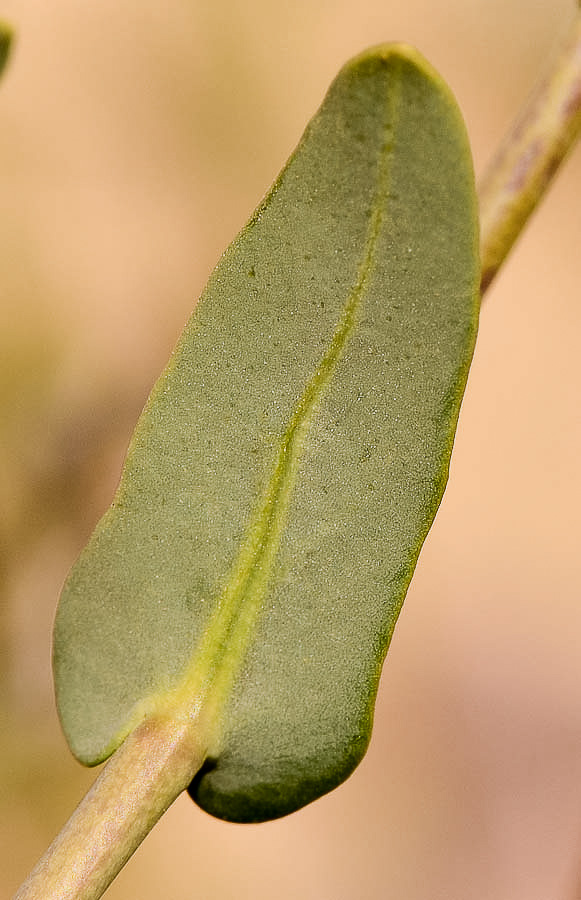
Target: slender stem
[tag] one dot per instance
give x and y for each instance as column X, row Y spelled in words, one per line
column 142, row 779
column 530, row 155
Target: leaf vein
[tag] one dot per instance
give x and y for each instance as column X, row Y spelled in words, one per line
column 222, row 648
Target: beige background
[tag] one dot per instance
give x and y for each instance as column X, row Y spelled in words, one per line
column 136, row 139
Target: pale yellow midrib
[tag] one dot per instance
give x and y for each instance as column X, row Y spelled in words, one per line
column 220, row 652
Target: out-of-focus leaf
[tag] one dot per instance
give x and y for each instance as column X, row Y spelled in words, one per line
column 291, row 458
column 5, row 44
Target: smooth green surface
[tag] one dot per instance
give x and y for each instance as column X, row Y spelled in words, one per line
column 291, row 458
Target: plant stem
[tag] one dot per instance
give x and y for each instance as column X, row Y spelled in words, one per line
column 530, row 155
column 142, row 779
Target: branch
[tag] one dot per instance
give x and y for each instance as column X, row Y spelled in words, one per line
column 142, row 779
column 530, row 155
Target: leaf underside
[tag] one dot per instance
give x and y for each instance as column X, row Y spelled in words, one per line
column 290, row 459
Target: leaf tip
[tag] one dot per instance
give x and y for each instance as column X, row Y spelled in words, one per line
column 387, row 53
column 395, row 54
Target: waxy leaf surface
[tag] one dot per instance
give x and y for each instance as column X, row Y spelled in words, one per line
column 290, row 459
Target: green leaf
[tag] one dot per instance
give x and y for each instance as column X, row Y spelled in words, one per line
column 290, row 459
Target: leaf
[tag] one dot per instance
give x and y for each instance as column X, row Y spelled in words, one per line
column 290, row 459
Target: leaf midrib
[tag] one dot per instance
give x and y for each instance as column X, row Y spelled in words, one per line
column 220, row 652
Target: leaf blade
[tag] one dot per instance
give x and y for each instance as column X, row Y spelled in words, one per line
column 276, row 447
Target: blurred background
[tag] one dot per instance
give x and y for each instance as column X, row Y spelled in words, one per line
column 137, row 137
